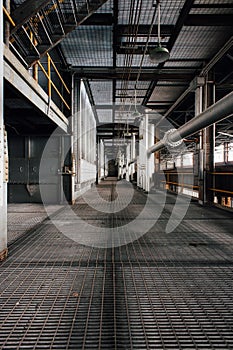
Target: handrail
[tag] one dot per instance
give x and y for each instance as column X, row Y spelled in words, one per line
column 179, row 184
column 59, row 75
column 50, row 61
column 10, row 19
column 51, row 83
column 220, row 173
column 217, row 190
column 167, row 172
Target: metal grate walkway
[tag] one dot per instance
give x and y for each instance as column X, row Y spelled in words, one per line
column 162, row 291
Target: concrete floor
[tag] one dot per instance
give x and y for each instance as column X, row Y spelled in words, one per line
column 161, row 291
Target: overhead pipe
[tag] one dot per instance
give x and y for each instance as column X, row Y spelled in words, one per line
column 220, row 110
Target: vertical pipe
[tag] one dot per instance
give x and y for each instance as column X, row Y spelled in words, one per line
column 3, row 184
column 140, row 156
column 133, row 154
column 145, row 144
column 49, row 77
column 127, row 161
column 150, row 157
column 157, row 160
column 72, row 138
column 79, row 134
column 209, row 143
column 200, row 159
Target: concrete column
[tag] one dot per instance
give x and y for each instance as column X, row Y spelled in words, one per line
column 101, row 159
column 127, row 161
column 145, row 157
column 157, row 160
column 79, row 138
column 73, row 127
column 3, row 155
column 105, row 165
column 141, row 159
column 133, row 154
column 150, row 158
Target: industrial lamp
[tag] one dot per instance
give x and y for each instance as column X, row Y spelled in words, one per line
column 136, row 114
column 159, row 54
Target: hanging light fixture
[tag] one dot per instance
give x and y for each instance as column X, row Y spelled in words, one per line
column 159, row 54
column 136, row 114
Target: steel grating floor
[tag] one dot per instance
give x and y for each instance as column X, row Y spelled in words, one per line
column 162, row 291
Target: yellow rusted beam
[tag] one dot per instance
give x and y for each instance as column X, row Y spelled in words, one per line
column 59, row 75
column 8, row 16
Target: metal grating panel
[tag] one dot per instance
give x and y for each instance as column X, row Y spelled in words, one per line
column 212, row 11
column 163, row 291
column 169, row 11
column 106, row 8
column 210, row 2
column 104, row 115
column 101, row 91
column 181, row 64
column 136, row 61
column 143, row 85
column 89, row 46
column 19, row 2
column 168, row 94
column 200, row 42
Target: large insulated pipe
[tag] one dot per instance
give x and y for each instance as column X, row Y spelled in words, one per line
column 220, row 110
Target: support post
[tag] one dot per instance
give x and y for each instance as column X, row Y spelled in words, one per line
column 157, row 160
column 144, row 153
column 3, row 156
column 141, row 158
column 73, row 126
column 200, row 159
column 79, row 135
column 133, row 154
column 128, row 168
column 150, row 158
column 209, row 141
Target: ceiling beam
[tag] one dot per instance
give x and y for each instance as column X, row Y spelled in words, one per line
column 25, row 11
column 91, row 99
column 213, row 6
column 102, row 19
column 209, row 20
column 143, row 30
column 173, row 74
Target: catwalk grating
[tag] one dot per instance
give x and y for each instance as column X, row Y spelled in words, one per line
column 162, row 291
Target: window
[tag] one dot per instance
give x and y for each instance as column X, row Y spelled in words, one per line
column 230, row 152
column 178, row 162
column 188, row 160
column 219, row 154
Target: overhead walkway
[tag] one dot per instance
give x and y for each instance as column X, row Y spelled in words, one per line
column 161, row 291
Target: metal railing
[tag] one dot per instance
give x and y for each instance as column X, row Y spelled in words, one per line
column 51, row 83
column 50, row 63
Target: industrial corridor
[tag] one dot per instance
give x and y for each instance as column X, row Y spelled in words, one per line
column 116, row 174
column 162, row 291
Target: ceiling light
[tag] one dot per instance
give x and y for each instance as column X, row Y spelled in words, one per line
column 159, row 54
column 136, row 114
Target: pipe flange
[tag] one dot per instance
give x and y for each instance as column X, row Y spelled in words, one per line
column 168, row 142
